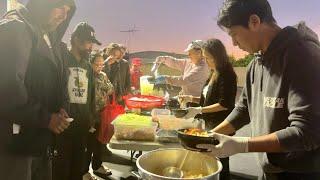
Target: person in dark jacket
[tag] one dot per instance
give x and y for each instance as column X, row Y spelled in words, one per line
column 71, row 144
column 218, row 95
column 118, row 70
column 280, row 99
column 31, row 88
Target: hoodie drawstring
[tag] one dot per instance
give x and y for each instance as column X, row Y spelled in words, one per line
column 261, row 79
column 253, row 70
column 259, row 59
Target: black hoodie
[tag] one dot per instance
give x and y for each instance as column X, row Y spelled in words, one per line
column 32, row 75
column 282, row 96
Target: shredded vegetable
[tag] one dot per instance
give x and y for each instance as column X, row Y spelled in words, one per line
column 133, row 119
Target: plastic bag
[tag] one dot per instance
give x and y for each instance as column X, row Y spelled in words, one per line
column 108, row 114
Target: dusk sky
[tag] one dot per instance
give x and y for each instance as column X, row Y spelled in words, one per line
column 169, row 25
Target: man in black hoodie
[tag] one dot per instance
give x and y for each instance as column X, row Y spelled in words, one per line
column 280, row 99
column 71, row 144
column 31, row 85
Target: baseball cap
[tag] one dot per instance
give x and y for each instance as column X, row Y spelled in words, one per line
column 85, row 32
column 196, row 44
column 136, row 61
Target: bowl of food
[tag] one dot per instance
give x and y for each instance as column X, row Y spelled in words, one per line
column 179, row 113
column 190, row 138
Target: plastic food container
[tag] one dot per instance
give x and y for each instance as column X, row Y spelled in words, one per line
column 167, row 136
column 159, row 113
column 145, row 86
column 144, row 102
column 170, row 122
column 135, row 132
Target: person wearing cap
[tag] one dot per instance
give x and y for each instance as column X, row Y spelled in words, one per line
column 32, row 105
column 135, row 73
column 118, row 70
column 71, row 145
column 194, row 70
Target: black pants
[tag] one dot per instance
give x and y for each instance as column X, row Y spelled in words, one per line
column 69, row 162
column 41, row 168
column 14, row 167
column 93, row 154
column 225, row 173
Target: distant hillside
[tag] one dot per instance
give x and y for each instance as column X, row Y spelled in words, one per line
column 150, row 56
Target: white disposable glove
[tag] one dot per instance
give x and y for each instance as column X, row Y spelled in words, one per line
column 92, row 130
column 185, row 98
column 192, row 112
column 227, row 146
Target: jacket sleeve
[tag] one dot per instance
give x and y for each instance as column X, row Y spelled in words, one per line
column 194, row 75
column 128, row 79
column 171, row 62
column 63, row 49
column 227, row 90
column 303, row 63
column 16, row 105
column 239, row 116
column 108, row 87
column 92, row 106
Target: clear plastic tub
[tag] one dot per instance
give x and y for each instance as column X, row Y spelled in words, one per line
column 167, row 136
column 135, row 132
column 170, row 122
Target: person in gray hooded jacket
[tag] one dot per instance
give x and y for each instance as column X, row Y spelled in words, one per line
column 31, row 85
column 280, row 99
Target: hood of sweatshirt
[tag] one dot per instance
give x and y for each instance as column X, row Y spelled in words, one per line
column 287, row 37
column 36, row 14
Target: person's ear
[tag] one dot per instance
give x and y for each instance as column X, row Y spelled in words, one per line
column 77, row 41
column 254, row 22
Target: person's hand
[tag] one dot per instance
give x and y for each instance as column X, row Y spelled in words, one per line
column 160, row 80
column 63, row 113
column 160, row 59
column 192, row 112
column 110, row 59
column 227, row 146
column 58, row 122
column 185, row 98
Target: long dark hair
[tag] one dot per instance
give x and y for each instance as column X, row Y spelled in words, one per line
column 220, row 57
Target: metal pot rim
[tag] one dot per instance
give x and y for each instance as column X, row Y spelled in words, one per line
column 158, row 176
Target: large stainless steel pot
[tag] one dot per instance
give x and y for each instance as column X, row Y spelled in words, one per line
column 152, row 164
